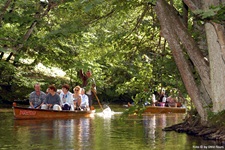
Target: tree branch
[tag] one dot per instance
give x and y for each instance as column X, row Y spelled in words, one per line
column 191, row 5
column 102, row 17
column 26, row 36
column 7, row 3
column 139, row 20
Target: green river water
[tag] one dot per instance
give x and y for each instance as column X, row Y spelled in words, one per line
column 98, row 133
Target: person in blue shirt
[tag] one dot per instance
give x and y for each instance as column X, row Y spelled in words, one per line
column 37, row 97
column 84, row 100
column 52, row 99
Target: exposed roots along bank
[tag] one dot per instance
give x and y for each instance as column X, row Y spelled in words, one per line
column 192, row 126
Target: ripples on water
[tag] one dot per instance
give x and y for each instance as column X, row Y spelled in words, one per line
column 96, row 133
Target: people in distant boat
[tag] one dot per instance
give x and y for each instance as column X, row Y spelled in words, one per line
column 66, row 98
column 89, row 84
column 162, row 97
column 171, row 102
column 37, row 97
column 52, row 99
column 165, row 101
column 77, row 97
column 84, row 100
column 153, row 99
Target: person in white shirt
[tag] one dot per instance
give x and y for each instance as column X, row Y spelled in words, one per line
column 84, row 100
column 66, row 98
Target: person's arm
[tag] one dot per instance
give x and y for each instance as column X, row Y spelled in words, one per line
column 58, row 100
column 31, row 99
column 47, row 102
column 70, row 98
column 31, row 105
column 61, row 99
column 81, row 74
column 87, row 103
column 84, row 78
column 43, row 98
column 79, row 101
column 93, row 88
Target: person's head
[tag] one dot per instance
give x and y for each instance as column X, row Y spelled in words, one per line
column 52, row 89
column 65, row 88
column 82, row 90
column 37, row 87
column 163, row 91
column 88, row 73
column 93, row 85
column 76, row 89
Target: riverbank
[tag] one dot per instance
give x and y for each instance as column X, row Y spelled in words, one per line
column 193, row 127
column 4, row 110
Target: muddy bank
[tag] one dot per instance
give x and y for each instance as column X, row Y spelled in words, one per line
column 193, row 127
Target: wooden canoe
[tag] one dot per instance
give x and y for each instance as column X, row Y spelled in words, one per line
column 158, row 109
column 31, row 113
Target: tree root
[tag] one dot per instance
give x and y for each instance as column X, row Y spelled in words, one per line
column 193, row 127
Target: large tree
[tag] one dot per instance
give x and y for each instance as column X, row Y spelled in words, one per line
column 208, row 89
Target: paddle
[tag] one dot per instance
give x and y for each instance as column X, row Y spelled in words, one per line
column 98, row 100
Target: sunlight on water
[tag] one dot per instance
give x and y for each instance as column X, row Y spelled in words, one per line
column 100, row 132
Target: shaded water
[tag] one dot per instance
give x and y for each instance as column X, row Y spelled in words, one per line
column 96, row 133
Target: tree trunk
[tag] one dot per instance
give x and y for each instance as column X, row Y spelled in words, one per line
column 216, row 47
column 215, row 41
column 185, row 15
column 221, row 37
column 191, row 48
column 217, row 68
column 169, row 31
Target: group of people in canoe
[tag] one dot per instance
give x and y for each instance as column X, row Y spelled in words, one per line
column 63, row 99
column 161, row 99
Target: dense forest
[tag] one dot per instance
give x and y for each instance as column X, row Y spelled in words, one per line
column 132, row 47
column 119, row 41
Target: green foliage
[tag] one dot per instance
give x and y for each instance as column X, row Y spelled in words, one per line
column 142, row 98
column 215, row 13
column 117, row 40
column 216, row 119
column 136, row 110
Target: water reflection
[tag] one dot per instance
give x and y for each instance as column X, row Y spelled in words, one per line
column 153, row 125
column 97, row 133
column 64, row 133
column 149, row 127
column 84, row 132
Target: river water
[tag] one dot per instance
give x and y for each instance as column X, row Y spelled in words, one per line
column 98, row 133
